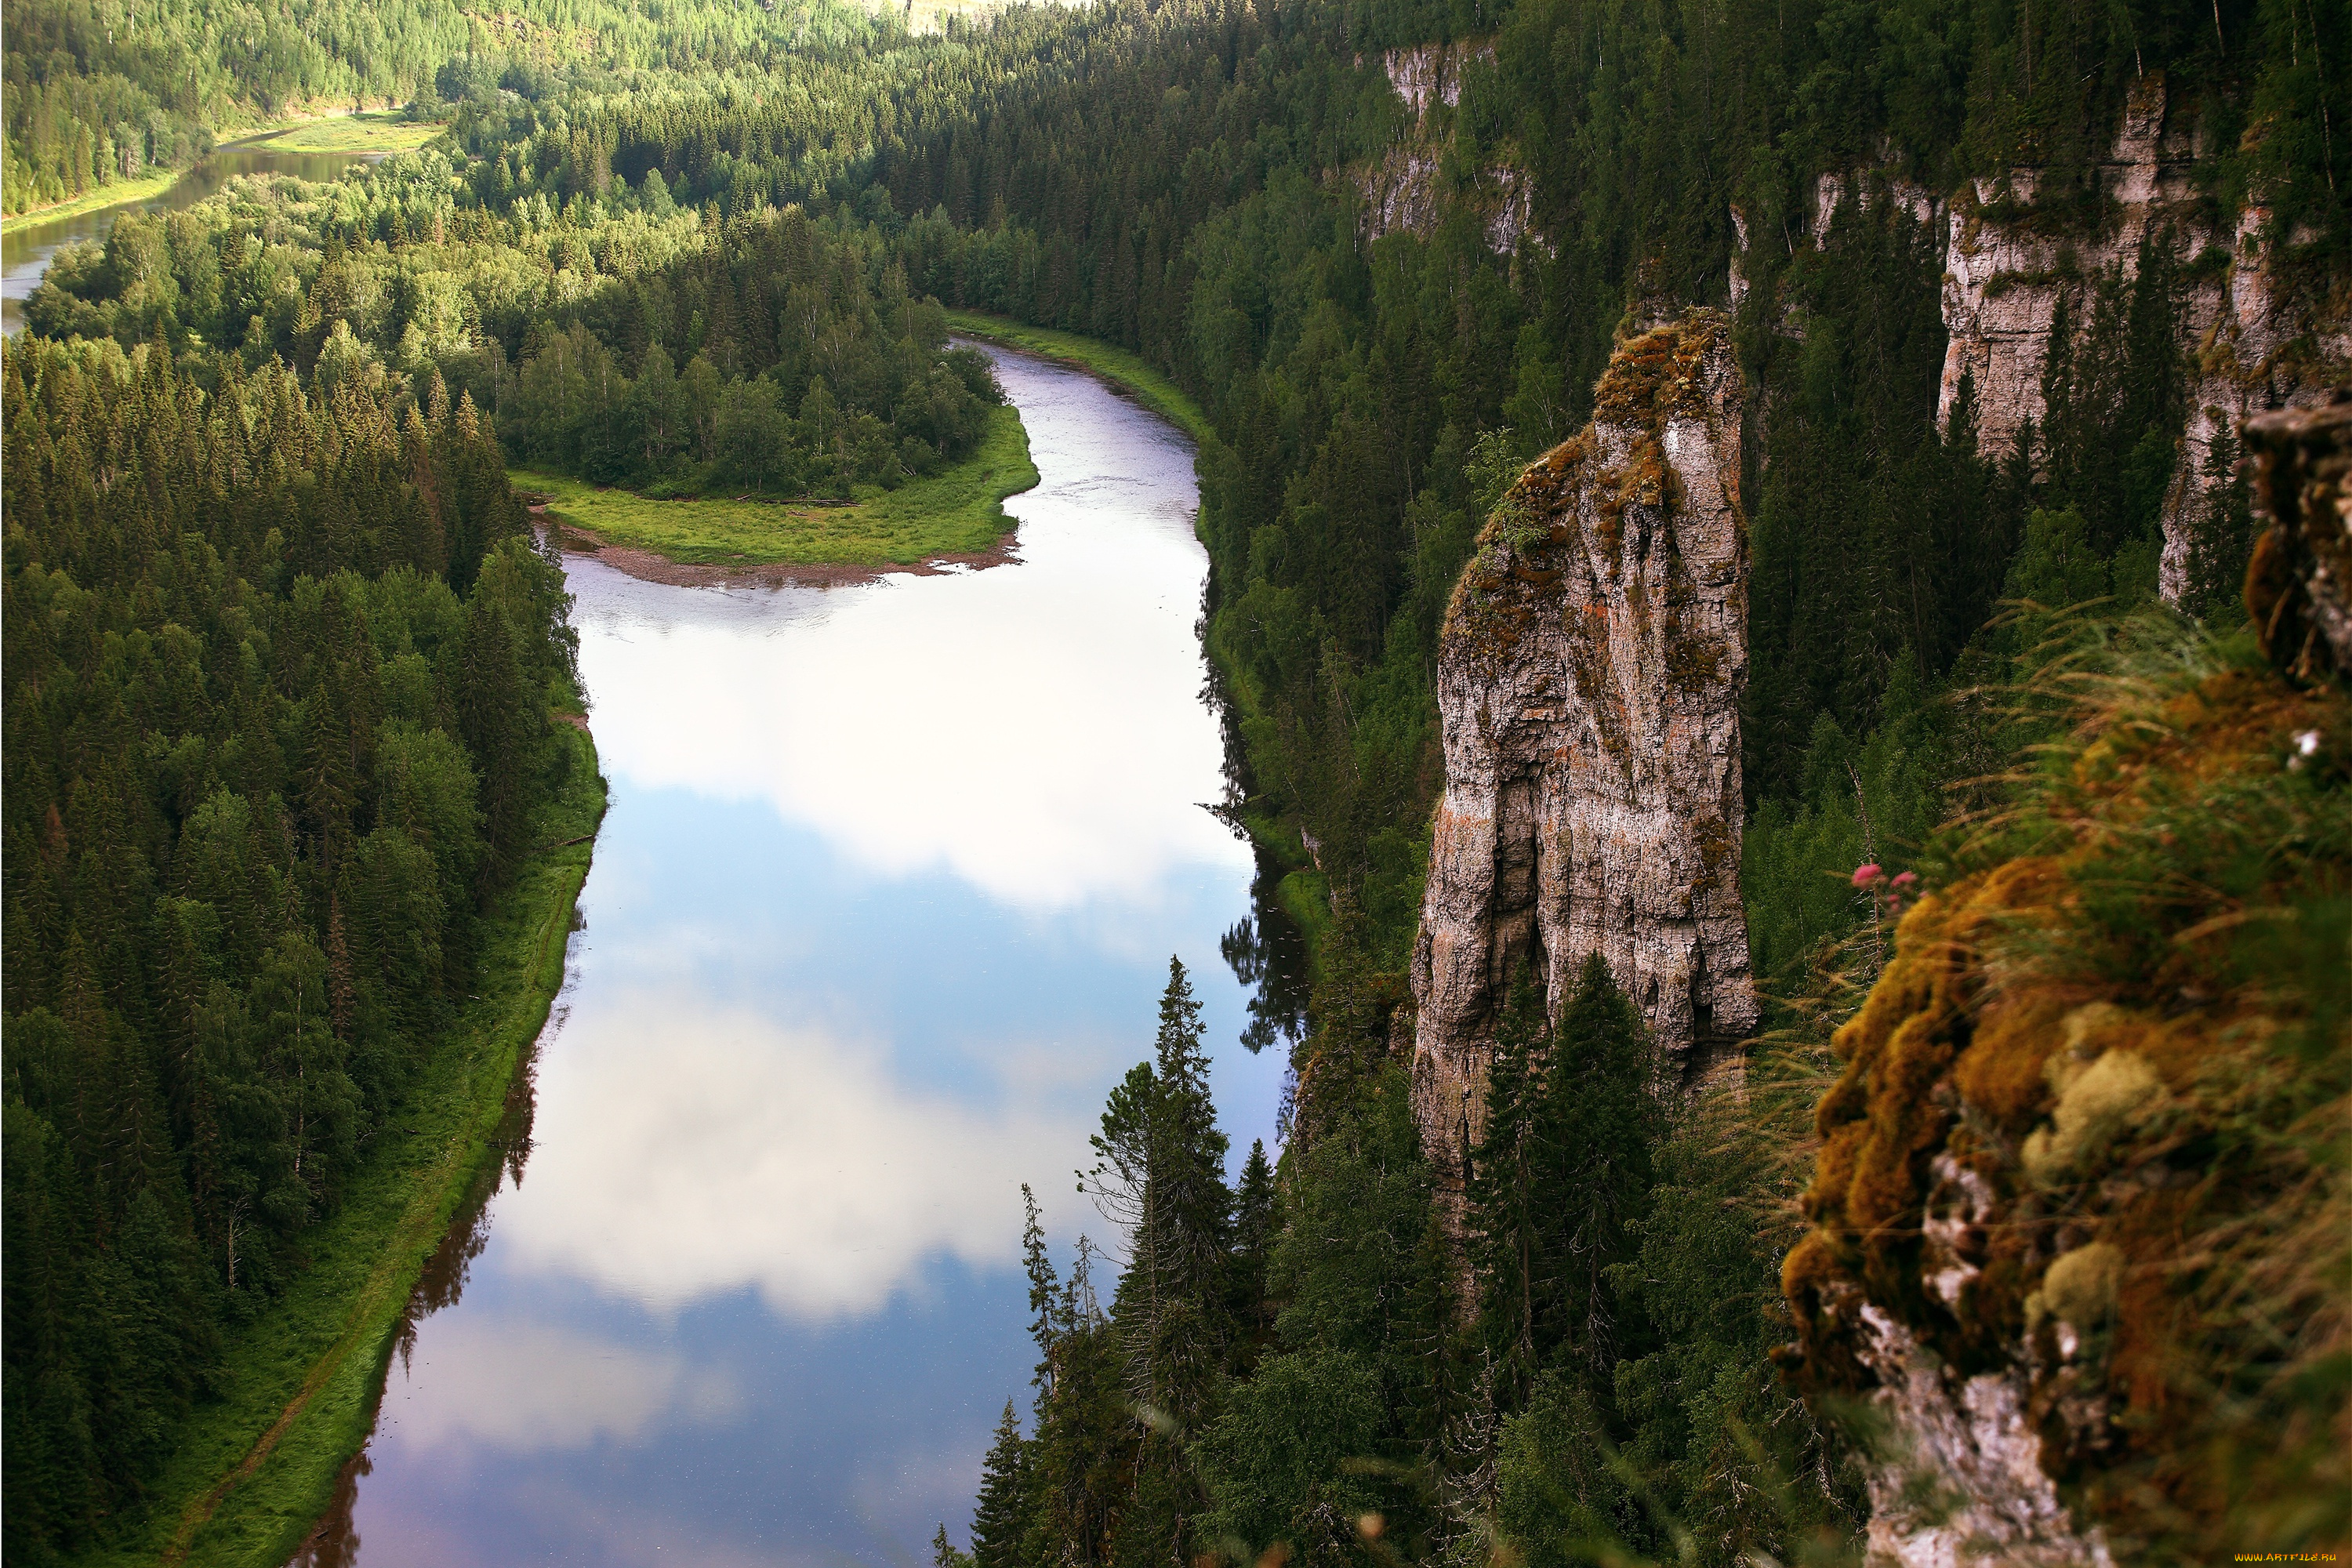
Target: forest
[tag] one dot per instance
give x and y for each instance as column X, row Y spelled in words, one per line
column 282, row 652
column 769, row 352
column 280, row 665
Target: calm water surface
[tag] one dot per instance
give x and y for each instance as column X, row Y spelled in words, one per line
column 26, row 251
column 883, row 908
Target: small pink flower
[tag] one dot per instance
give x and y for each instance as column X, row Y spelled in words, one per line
column 1906, row 880
column 1864, row 876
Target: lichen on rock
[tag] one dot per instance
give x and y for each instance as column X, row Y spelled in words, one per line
column 2081, row 1220
column 1589, row 682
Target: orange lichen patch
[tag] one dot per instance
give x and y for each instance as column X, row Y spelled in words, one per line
column 1662, row 373
column 2100, row 1052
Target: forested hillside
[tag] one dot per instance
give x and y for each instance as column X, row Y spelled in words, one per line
column 100, row 92
column 679, row 265
column 280, row 660
column 624, row 341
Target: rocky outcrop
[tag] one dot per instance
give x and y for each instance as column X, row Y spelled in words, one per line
column 2070, row 1237
column 2005, row 268
column 1402, row 190
column 2253, row 344
column 1588, row 684
column 2299, row 588
column 2256, row 345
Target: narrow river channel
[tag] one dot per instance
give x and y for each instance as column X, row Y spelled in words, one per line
column 882, row 909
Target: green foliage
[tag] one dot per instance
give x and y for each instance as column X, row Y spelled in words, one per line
column 97, row 98
column 959, row 508
column 2221, row 539
column 265, row 771
column 703, row 252
column 1278, row 1459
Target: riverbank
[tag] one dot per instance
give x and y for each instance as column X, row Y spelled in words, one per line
column 120, row 193
column 1304, row 892
column 1130, row 373
column 250, row 1475
column 372, row 130
column 355, row 133
column 957, row 514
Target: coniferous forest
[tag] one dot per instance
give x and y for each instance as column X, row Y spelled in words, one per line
column 287, row 669
column 280, row 675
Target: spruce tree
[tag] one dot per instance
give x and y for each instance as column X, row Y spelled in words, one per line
column 1162, row 1169
column 2221, row 538
column 1001, row 1520
column 1256, row 1222
column 1509, row 1194
column 1603, row 1118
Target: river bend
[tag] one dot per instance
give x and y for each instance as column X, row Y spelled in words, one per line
column 882, row 907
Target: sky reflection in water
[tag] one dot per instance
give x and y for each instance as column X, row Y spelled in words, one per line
column 882, row 909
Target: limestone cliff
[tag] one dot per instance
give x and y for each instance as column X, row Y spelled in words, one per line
column 2253, row 340
column 1403, row 190
column 1589, row 683
column 2080, row 1222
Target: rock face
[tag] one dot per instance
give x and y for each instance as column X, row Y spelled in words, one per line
column 2253, row 343
column 1978, row 1442
column 1588, row 684
column 2299, row 588
column 1402, row 191
column 2025, row 1218
column 2002, row 281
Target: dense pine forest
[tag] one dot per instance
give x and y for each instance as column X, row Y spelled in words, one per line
column 280, row 665
column 282, row 652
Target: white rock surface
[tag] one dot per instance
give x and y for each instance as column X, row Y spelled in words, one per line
column 1588, row 684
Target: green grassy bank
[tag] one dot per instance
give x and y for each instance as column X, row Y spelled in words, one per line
column 956, row 512
column 145, row 189
column 251, row 1474
column 1116, row 365
column 372, row 130
column 375, row 131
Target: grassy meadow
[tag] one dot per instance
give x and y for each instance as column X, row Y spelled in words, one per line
column 374, row 131
column 956, row 512
column 146, row 188
column 251, row 1475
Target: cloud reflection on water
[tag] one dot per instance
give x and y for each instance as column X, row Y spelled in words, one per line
column 524, row 1387
column 1037, row 729
column 881, row 911
column 732, row 1151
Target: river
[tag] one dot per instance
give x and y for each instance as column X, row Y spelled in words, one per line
column 882, row 909
column 27, row 249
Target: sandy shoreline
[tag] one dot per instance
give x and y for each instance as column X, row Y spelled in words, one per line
column 651, row 566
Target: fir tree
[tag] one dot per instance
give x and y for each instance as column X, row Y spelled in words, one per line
column 1509, row 1192
column 2221, row 538
column 1000, row 1521
column 1256, row 1225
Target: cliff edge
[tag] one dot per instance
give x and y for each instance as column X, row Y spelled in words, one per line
column 2080, row 1217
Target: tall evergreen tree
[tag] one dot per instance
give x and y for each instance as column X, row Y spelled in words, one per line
column 1000, row 1518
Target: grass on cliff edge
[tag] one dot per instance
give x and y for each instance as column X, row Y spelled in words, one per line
column 331, row 1334
column 956, row 510
column 1116, row 365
